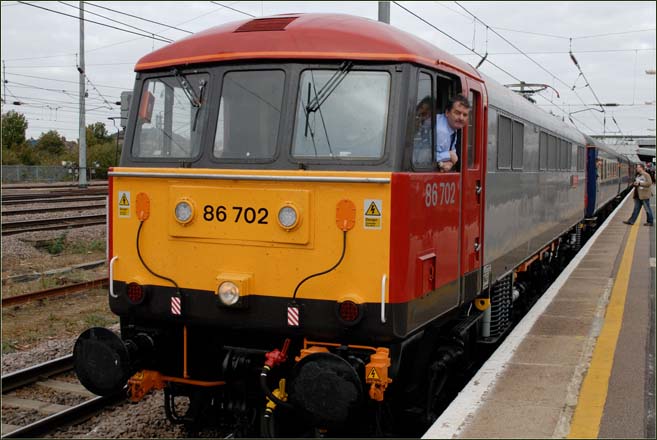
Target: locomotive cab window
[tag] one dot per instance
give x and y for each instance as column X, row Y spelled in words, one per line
column 425, row 114
column 172, row 116
column 341, row 114
column 430, row 131
column 249, row 115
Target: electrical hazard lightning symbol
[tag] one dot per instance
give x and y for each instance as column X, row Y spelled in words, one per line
column 373, row 210
column 124, row 200
column 373, row 374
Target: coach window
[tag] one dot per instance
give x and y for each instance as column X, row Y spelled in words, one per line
column 423, row 127
column 342, row 114
column 543, row 151
column 475, row 104
column 563, row 154
column 249, row 115
column 504, row 142
column 518, row 145
column 552, row 152
column 172, row 117
column 581, row 158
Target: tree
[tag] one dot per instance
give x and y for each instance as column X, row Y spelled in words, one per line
column 14, row 126
column 97, row 134
column 51, row 142
column 104, row 155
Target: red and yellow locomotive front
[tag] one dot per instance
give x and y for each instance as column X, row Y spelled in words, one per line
column 256, row 234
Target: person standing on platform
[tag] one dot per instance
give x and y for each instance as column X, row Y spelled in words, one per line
column 642, row 192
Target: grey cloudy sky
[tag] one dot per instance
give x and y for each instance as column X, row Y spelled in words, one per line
column 614, row 43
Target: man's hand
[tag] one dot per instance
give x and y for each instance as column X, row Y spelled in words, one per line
column 445, row 166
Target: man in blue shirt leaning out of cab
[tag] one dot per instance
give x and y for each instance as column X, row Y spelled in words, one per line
column 447, row 126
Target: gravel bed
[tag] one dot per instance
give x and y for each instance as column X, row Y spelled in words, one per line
column 18, row 416
column 145, row 419
column 44, row 352
column 19, row 248
column 44, row 394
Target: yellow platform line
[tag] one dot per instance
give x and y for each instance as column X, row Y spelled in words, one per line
column 593, row 395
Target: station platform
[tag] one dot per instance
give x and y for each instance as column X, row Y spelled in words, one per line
column 581, row 364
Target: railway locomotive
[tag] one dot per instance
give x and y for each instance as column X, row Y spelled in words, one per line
column 285, row 262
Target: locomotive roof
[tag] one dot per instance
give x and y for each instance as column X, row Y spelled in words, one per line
column 301, row 36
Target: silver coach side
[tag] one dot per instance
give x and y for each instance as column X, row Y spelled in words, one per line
column 526, row 208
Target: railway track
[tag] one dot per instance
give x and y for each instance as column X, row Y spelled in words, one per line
column 55, row 292
column 28, row 195
column 40, row 412
column 17, row 227
column 69, row 185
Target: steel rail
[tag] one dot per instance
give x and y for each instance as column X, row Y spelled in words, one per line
column 17, row 227
column 71, row 185
column 46, row 194
column 35, row 373
column 82, row 198
column 55, row 292
column 53, row 209
column 77, row 413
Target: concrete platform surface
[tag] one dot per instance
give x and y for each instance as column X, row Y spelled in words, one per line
column 580, row 364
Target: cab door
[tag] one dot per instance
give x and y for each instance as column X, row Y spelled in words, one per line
column 472, row 193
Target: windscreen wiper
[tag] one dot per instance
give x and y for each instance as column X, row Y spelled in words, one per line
column 189, row 90
column 322, row 95
column 201, row 89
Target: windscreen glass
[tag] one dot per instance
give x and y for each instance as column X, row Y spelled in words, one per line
column 341, row 114
column 171, row 117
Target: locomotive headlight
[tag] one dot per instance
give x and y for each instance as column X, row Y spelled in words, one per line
column 229, row 293
column 288, row 217
column 184, row 211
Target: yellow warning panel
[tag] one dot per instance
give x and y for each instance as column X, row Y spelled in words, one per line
column 373, row 374
column 124, row 204
column 372, row 210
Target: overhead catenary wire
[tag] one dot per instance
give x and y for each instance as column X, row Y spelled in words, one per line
column 66, row 92
column 233, row 9
column 588, row 84
column 562, row 52
column 62, row 80
column 465, row 46
column 111, row 19
column 524, row 54
column 453, row 39
column 98, row 23
column 138, row 17
column 109, row 104
column 563, row 37
column 44, row 66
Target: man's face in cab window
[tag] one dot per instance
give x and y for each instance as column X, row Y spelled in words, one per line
column 457, row 116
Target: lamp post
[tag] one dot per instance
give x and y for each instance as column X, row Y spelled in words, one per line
column 118, row 131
